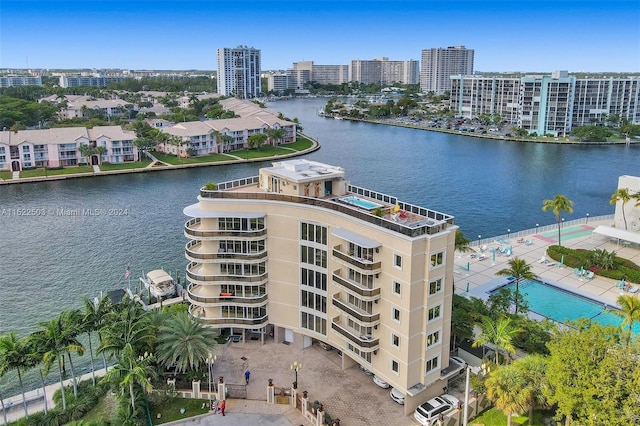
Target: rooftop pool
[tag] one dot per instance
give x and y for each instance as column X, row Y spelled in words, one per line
column 562, row 305
column 360, row 202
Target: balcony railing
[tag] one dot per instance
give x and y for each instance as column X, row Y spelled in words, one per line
column 224, row 278
column 197, row 254
column 365, row 265
column 365, row 342
column 433, row 223
column 191, row 230
column 357, row 313
column 226, row 300
column 228, row 321
column 366, row 293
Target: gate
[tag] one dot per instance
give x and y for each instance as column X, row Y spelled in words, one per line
column 236, row 391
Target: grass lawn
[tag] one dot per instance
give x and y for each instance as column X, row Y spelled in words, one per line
column 172, row 159
column 125, row 166
column 170, row 409
column 55, row 172
column 495, row 417
column 105, row 409
column 5, row 174
column 300, row 144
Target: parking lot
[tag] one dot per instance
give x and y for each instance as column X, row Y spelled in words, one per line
column 349, row 395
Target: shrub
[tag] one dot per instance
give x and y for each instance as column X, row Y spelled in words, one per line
column 619, row 268
column 211, row 186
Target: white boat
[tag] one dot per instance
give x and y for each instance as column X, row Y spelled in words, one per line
column 337, row 117
column 159, row 283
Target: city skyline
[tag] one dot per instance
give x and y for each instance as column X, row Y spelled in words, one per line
column 525, row 36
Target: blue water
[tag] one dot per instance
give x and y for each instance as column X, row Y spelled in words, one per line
column 561, row 305
column 359, row 202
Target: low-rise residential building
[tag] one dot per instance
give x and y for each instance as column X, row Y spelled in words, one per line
column 20, row 80
column 299, row 253
column 85, row 106
column 59, row 147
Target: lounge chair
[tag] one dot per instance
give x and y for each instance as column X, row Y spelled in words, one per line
column 528, row 242
column 520, row 240
column 620, row 284
column 543, row 259
column 588, row 275
column 631, row 289
column 577, row 272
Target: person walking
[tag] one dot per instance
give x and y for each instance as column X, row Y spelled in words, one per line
column 223, row 405
column 247, row 374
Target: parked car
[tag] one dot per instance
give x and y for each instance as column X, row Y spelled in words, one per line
column 378, row 381
column 365, row 371
column 427, row 413
column 326, row 346
column 396, row 396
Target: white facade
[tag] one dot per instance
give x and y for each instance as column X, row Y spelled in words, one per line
column 384, row 71
column 439, row 64
column 239, row 72
column 14, row 80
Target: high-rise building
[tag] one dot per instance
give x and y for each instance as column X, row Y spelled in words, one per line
column 239, row 72
column 384, row 71
column 20, row 80
column 439, row 64
column 300, row 254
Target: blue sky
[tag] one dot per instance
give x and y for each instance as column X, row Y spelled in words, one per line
column 506, row 35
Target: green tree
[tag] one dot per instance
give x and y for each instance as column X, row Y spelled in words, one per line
column 602, row 258
column 506, row 389
column 500, row 334
column 461, row 319
column 573, row 368
column 184, row 341
column 276, row 134
column 126, row 324
column 72, row 328
column 621, row 195
column 591, row 133
column 557, row 205
column 462, row 243
column 256, row 140
column 131, row 371
column 86, row 151
column 629, row 311
column 50, row 340
column 533, row 368
column 520, row 270
column 13, row 356
column 100, row 151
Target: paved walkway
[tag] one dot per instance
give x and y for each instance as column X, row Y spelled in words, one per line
column 96, row 169
column 575, row 237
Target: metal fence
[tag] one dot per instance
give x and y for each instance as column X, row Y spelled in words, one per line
column 539, row 229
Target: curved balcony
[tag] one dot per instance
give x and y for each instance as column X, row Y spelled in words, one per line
column 221, row 300
column 196, row 277
column 193, row 251
column 367, row 294
column 364, row 342
column 196, row 311
column 192, row 229
column 355, row 312
column 366, row 266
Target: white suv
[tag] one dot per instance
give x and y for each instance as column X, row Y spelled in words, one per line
column 427, row 413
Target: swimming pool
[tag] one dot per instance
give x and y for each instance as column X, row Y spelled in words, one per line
column 562, row 305
column 359, row 202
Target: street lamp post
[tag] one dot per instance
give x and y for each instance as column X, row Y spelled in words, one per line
column 211, row 359
column 296, row 366
column 537, row 224
column 508, row 234
column 479, row 236
column 563, row 223
column 587, row 221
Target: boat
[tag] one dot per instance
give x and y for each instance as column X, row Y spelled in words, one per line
column 159, row 283
column 337, row 117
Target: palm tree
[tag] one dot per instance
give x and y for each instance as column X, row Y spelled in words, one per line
column 72, row 323
column 126, row 325
column 629, row 310
column 49, row 340
column 13, row 356
column 276, row 134
column 184, row 341
column 131, row 370
column 86, row 151
column 557, row 205
column 622, row 194
column 34, row 359
column 505, row 387
column 90, row 323
column 533, row 368
column 520, row 270
column 462, row 243
column 500, row 334
column 100, row 151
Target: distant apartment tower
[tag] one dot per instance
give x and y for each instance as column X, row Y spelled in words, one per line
column 21, row 80
column 438, row 64
column 276, row 81
column 239, row 72
column 305, row 72
column 384, row 71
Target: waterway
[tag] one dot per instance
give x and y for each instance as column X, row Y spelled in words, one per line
column 89, row 230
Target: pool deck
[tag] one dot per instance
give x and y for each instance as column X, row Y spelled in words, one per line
column 481, row 275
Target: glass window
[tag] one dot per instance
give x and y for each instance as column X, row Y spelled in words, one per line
column 435, row 286
column 397, row 261
column 396, row 287
column 395, row 340
column 434, row 313
column 431, row 364
column 437, row 259
column 395, row 367
column 396, row 314
column 433, row 338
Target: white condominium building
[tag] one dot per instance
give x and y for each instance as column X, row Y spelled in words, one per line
column 438, row 64
column 20, row 80
column 384, row 71
column 547, row 104
column 298, row 254
column 239, row 72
